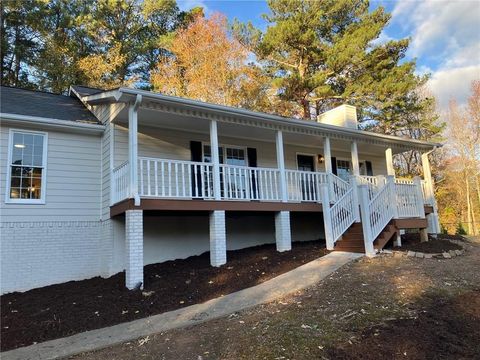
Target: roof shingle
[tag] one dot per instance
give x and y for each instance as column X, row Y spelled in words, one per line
column 42, row 104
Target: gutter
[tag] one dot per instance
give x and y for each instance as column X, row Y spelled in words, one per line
column 116, row 95
column 52, row 123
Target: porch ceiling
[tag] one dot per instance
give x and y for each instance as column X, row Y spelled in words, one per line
column 154, row 118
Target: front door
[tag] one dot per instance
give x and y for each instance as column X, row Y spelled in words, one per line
column 307, row 185
column 305, row 162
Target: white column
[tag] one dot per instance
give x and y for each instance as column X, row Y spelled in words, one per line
column 218, row 238
column 111, row 130
column 215, row 159
column 133, row 148
column 419, row 194
column 434, row 225
column 134, row 249
column 327, row 217
column 327, row 155
column 353, row 180
column 367, row 233
column 355, row 163
column 281, row 166
column 283, row 234
column 389, row 161
column 398, row 239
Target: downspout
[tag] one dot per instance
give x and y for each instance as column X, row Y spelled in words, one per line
column 136, row 105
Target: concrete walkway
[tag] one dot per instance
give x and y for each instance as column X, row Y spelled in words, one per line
column 295, row 280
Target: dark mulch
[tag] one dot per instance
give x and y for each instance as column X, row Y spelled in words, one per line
column 65, row 309
column 411, row 241
column 448, row 328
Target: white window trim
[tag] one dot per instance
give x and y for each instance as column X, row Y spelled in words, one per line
column 315, row 160
column 360, row 161
column 42, row 199
column 224, row 152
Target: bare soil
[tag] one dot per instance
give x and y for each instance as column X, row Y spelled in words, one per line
column 411, row 241
column 65, row 309
column 382, row 308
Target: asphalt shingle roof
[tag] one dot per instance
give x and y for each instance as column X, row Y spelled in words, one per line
column 42, row 104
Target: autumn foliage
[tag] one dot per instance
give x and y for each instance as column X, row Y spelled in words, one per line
column 207, row 64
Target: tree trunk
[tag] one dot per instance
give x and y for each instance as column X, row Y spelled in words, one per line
column 306, row 109
column 469, row 208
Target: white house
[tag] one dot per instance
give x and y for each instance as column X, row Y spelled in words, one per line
column 104, row 181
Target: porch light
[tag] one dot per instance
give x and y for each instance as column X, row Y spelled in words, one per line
column 321, row 159
column 19, row 146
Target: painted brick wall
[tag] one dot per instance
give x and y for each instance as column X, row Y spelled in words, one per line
column 134, row 247
column 35, row 254
column 282, row 231
column 218, row 244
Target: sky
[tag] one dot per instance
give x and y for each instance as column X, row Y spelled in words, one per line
column 445, row 37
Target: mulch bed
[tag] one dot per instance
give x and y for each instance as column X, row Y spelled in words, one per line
column 411, row 242
column 65, row 309
column 446, row 329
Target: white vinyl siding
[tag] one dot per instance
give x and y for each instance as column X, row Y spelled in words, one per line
column 73, row 180
column 175, row 145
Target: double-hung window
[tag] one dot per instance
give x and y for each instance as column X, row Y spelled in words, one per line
column 26, row 167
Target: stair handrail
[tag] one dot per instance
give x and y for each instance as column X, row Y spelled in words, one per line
column 340, row 215
column 376, row 212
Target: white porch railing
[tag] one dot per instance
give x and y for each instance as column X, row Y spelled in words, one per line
column 408, row 196
column 174, row 179
column 248, row 183
column 120, row 182
column 304, row 185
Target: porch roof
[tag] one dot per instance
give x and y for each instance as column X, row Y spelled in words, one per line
column 197, row 109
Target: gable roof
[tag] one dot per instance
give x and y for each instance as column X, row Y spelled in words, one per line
column 44, row 105
column 84, row 90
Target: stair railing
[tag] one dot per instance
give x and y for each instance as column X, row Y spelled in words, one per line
column 344, row 211
column 377, row 212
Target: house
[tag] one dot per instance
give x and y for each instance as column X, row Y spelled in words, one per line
column 99, row 182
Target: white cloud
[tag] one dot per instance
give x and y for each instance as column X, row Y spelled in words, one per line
column 446, row 36
column 453, row 84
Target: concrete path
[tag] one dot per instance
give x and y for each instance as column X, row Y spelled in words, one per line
column 295, row 280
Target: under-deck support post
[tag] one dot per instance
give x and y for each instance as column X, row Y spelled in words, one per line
column 134, row 249
column 355, row 162
column 283, row 235
column 218, row 238
column 389, row 161
column 281, row 166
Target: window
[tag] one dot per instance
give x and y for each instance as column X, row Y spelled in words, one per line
column 343, row 169
column 26, row 167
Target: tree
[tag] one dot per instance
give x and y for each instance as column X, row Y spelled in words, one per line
column 207, row 64
column 463, row 163
column 322, row 53
column 19, row 40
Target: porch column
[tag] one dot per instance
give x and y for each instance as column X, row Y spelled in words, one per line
column 433, row 224
column 218, row 238
column 355, row 163
column 389, row 161
column 215, row 159
column 283, row 235
column 134, row 249
column 281, row 166
column 133, row 148
column 327, row 155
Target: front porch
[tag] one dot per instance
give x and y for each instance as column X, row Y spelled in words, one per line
column 171, row 159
